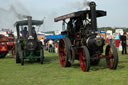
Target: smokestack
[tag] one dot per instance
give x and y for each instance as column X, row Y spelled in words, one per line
column 29, row 25
column 93, row 15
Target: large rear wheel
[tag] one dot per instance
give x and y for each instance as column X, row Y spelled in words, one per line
column 21, row 55
column 17, row 54
column 41, row 56
column 111, row 57
column 84, row 58
column 17, row 58
column 64, row 52
column 22, row 61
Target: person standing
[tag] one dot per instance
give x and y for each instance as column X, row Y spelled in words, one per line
column 42, row 40
column 123, row 43
column 50, row 46
column 117, row 40
column 110, row 39
column 56, row 47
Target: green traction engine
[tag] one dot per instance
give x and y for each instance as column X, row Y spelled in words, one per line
column 27, row 45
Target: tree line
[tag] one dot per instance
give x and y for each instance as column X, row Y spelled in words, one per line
column 113, row 29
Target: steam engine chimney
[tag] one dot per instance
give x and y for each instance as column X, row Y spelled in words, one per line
column 29, row 25
column 93, row 15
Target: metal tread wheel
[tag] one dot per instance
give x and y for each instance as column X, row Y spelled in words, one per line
column 111, row 56
column 64, row 52
column 41, row 56
column 84, row 58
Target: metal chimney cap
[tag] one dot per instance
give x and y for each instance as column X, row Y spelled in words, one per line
column 92, row 4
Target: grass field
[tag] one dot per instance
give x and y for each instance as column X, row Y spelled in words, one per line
column 51, row 73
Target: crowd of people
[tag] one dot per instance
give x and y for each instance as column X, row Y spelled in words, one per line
column 50, row 45
column 120, row 41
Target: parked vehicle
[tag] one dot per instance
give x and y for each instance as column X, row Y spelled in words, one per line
column 6, row 44
column 83, row 42
column 28, row 46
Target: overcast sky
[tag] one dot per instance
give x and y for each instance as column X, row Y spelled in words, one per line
column 117, row 11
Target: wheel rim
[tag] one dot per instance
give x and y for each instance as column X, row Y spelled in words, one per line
column 83, row 60
column 62, row 53
column 110, row 58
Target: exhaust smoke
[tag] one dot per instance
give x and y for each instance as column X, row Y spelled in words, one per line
column 10, row 12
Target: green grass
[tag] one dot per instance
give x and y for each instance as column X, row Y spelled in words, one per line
column 51, row 73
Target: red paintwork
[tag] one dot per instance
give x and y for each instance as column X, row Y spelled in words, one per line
column 7, row 44
column 3, row 48
column 82, row 58
column 110, row 59
column 62, row 53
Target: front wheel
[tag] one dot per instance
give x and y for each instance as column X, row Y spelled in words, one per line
column 111, row 57
column 84, row 58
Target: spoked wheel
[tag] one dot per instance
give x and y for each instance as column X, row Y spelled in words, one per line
column 21, row 55
column 84, row 58
column 21, row 58
column 64, row 53
column 111, row 57
column 22, row 61
column 17, row 54
column 17, row 58
column 41, row 56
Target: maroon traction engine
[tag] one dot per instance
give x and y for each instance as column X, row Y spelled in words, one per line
column 6, row 44
column 83, row 42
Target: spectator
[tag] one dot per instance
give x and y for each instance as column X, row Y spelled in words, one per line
column 42, row 40
column 110, row 39
column 107, row 39
column 124, row 44
column 56, row 48
column 50, row 46
column 117, row 40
